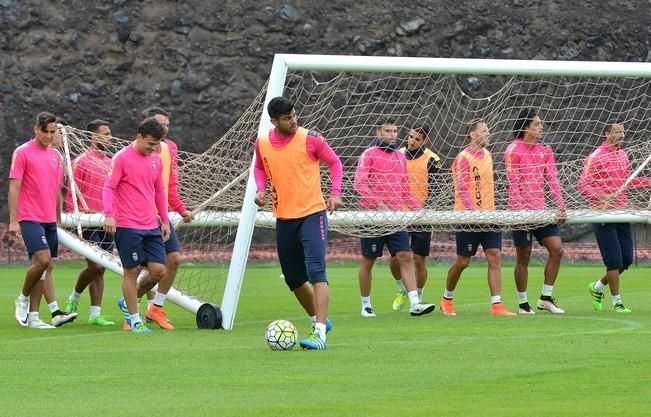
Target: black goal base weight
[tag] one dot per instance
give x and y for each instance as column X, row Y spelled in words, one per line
column 209, row 316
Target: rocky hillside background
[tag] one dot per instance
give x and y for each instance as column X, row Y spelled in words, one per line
column 206, row 60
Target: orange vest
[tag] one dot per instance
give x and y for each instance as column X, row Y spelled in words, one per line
column 481, row 187
column 166, row 158
column 295, row 178
column 419, row 175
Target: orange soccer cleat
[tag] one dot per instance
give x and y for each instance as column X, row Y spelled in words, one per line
column 498, row 309
column 157, row 315
column 447, row 307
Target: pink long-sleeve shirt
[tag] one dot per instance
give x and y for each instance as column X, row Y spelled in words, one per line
column 90, row 171
column 604, row 172
column 317, row 149
column 135, row 190
column 528, row 168
column 382, row 178
column 173, row 199
column 40, row 171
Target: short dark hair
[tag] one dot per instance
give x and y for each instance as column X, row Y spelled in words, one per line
column 279, row 106
column 62, row 121
column 423, row 130
column 385, row 121
column 96, row 124
column 525, row 118
column 153, row 111
column 151, row 127
column 473, row 125
column 43, row 119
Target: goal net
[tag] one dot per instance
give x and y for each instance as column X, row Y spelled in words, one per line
column 344, row 97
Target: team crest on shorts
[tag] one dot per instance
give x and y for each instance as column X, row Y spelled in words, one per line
column 373, row 247
column 43, row 239
column 134, row 256
column 469, row 249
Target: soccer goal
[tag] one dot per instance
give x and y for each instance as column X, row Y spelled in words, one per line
column 343, row 97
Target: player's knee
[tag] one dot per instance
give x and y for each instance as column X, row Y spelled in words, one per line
column 157, row 272
column 462, row 262
column 96, row 269
column 174, row 260
column 42, row 261
column 557, row 252
column 404, row 257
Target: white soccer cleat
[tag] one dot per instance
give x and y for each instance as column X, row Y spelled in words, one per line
column 61, row 319
column 525, row 308
column 22, row 308
column 549, row 305
column 421, row 309
column 368, row 312
column 37, row 323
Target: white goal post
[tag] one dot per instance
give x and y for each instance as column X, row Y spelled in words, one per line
column 283, row 63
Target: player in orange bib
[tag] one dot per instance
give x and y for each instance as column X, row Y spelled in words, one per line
column 474, row 190
column 288, row 156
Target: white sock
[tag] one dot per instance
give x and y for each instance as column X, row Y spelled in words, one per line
column 32, row 315
column 320, row 328
column 366, row 301
column 448, row 294
column 75, row 296
column 413, row 298
column 134, row 319
column 522, row 297
column 496, row 299
column 401, row 286
column 53, row 306
column 599, row 286
column 159, row 299
column 313, row 318
column 22, row 297
column 547, row 289
column 94, row 312
column 617, row 299
column 420, row 294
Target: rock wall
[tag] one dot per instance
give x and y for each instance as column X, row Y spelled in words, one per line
column 206, row 60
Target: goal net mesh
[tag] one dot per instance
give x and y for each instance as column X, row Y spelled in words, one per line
column 345, row 108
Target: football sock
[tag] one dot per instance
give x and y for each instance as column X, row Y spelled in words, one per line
column 75, row 296
column 366, row 301
column 599, row 286
column 413, row 298
column 496, row 299
column 94, row 312
column 159, row 299
column 522, row 297
column 448, row 294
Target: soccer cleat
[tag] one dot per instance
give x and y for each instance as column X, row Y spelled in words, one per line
column 421, row 309
column 157, row 315
column 619, row 308
column 122, row 305
column 313, row 342
column 102, row 321
column 399, row 302
column 22, row 308
column 140, row 328
column 547, row 302
column 37, row 323
column 498, row 309
column 71, row 306
column 63, row 318
column 525, row 308
column 368, row 312
column 447, row 307
column 597, row 296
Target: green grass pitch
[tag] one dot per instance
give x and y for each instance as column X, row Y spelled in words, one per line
column 585, row 363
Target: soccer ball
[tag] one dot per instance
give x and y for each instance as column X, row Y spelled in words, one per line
column 281, row 335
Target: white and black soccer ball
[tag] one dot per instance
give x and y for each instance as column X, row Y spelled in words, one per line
column 281, row 335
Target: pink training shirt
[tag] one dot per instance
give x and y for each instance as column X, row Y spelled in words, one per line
column 382, row 178
column 528, row 168
column 90, row 171
column 40, row 171
column 134, row 193
column 604, row 172
column 316, row 148
column 174, row 201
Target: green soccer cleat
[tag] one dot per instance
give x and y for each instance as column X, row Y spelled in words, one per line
column 71, row 306
column 399, row 302
column 619, row 308
column 140, row 328
column 597, row 296
column 100, row 321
